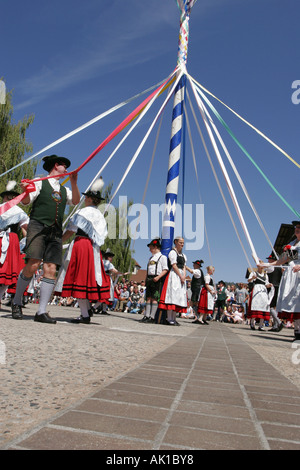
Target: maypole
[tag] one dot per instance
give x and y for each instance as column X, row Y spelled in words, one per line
column 168, row 225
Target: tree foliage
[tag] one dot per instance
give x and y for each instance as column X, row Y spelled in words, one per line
column 13, row 145
column 118, row 240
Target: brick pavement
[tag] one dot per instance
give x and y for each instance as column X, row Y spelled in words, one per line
column 209, row 390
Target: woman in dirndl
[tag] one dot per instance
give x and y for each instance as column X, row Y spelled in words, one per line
column 173, row 298
column 207, row 297
column 82, row 275
column 288, row 300
column 260, row 298
column 11, row 222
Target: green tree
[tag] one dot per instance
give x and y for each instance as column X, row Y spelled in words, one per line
column 118, row 240
column 13, row 145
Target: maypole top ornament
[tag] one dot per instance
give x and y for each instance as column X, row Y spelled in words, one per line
column 185, row 7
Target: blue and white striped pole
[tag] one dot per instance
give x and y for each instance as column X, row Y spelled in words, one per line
column 168, row 225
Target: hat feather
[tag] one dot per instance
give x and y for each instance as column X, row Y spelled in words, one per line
column 11, row 185
column 97, row 185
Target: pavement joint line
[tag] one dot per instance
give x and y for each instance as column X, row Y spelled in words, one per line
column 98, row 433
column 97, row 413
column 129, row 330
column 284, row 425
column 262, row 437
column 165, row 425
column 278, row 439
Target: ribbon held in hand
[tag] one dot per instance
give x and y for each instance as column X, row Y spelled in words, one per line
column 16, row 200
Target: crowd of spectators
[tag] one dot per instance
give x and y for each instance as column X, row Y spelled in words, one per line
column 231, row 303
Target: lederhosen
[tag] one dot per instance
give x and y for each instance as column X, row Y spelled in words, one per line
column 196, row 285
column 275, row 278
column 153, row 289
column 45, row 226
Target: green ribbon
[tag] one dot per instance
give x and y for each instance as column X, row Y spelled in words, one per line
column 245, row 151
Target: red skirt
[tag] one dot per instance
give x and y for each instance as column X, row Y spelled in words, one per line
column 257, row 313
column 80, row 281
column 163, row 306
column 12, row 287
column 10, row 269
column 202, row 305
column 290, row 316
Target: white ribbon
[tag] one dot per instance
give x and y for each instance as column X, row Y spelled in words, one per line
column 5, row 244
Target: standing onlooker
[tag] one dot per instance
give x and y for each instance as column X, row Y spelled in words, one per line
column 241, row 295
column 221, row 300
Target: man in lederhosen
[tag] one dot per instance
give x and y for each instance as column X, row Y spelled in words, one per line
column 44, row 236
column 157, row 268
column 197, row 282
column 275, row 276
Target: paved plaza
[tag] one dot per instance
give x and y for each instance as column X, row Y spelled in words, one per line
column 119, row 384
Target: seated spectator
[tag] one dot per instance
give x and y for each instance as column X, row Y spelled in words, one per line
column 238, row 315
column 134, row 301
column 123, row 299
column 227, row 316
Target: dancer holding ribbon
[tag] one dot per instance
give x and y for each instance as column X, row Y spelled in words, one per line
column 82, row 275
column 288, row 301
column 11, row 222
column 44, row 236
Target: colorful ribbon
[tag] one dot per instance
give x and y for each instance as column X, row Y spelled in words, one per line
column 118, row 129
column 295, row 212
column 13, row 202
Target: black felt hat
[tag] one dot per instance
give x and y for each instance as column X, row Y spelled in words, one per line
column 155, row 242
column 296, row 222
column 199, row 262
column 50, row 160
column 10, row 190
column 108, row 252
column 95, row 190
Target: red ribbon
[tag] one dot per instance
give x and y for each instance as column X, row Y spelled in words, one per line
column 31, row 187
column 16, row 200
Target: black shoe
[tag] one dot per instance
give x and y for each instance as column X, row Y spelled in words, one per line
column 16, row 312
column 44, row 318
column 81, row 319
column 104, row 312
column 144, row 319
column 252, row 327
column 150, row 320
column 171, row 323
column 98, row 310
column 280, row 327
column 91, row 311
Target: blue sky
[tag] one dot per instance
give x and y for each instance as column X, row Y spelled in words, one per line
column 69, row 61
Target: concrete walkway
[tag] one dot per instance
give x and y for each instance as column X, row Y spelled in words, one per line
column 202, row 387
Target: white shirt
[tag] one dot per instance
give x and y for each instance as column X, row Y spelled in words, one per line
column 173, row 257
column 160, row 260
column 55, row 184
